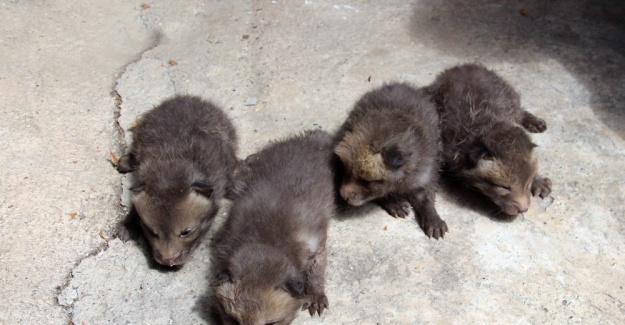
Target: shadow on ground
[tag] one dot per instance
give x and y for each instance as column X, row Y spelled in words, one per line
column 586, row 37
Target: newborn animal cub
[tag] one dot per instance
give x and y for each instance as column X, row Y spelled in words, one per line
column 270, row 256
column 390, row 150
column 484, row 145
column 183, row 156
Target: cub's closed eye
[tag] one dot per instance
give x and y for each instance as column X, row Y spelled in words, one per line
column 185, row 233
column 367, row 182
column 499, row 186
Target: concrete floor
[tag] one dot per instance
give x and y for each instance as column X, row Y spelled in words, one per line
column 74, row 76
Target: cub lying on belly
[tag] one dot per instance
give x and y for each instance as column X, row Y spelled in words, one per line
column 484, row 142
column 389, row 148
column 183, row 159
column 269, row 258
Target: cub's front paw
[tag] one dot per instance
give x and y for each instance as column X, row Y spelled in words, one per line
column 317, row 304
column 533, row 124
column 435, row 227
column 541, row 187
column 129, row 228
column 398, row 208
column 124, row 233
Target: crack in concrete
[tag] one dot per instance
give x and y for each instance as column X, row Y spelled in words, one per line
column 143, row 15
column 156, row 38
column 120, row 143
column 119, row 135
column 59, row 289
column 618, row 301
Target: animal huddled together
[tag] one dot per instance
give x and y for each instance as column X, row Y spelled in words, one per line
column 269, row 257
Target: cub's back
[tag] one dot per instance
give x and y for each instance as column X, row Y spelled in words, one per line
column 183, row 126
column 289, row 189
column 471, row 94
column 400, row 97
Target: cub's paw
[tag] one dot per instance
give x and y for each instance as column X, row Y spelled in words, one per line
column 129, row 229
column 533, row 124
column 127, row 163
column 435, row 228
column 317, row 304
column 398, row 208
column 124, row 233
column 431, row 222
column 541, row 187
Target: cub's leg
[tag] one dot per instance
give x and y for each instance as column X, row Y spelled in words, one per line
column 532, row 123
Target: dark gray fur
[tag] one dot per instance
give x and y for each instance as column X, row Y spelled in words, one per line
column 390, row 150
column 183, row 146
column 274, row 238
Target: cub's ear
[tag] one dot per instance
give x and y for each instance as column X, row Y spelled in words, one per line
column 138, row 188
column 295, row 287
column 393, row 158
column 127, row 163
column 476, row 153
column 236, row 185
column 202, row 187
column 221, row 278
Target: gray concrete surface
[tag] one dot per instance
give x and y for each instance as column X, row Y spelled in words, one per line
column 75, row 75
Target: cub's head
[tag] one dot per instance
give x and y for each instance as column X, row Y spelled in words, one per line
column 503, row 167
column 175, row 210
column 382, row 153
column 260, row 286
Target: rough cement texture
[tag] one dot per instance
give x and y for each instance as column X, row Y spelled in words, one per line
column 75, row 75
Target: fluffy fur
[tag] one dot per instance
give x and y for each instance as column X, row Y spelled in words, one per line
column 484, row 144
column 269, row 257
column 183, row 156
column 390, row 147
